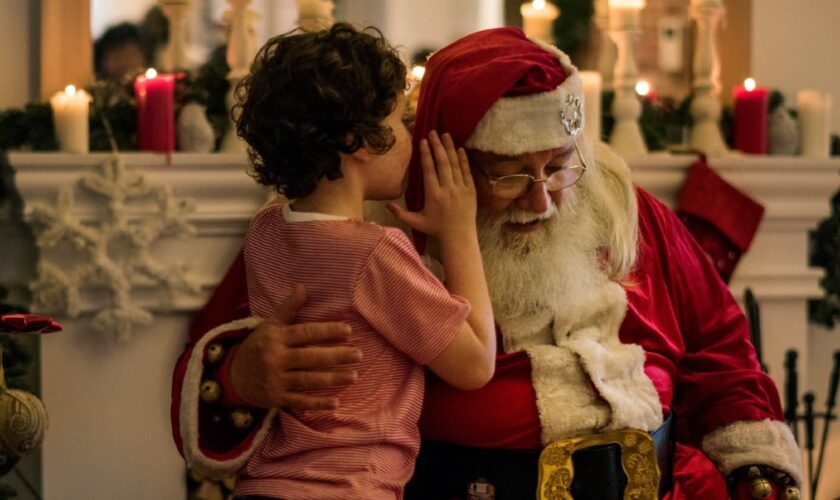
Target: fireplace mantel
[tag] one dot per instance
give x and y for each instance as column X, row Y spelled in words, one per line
column 108, row 399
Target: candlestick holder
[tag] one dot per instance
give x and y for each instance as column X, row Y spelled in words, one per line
column 240, row 51
column 175, row 56
column 606, row 53
column 808, row 417
column 626, row 137
column 705, row 104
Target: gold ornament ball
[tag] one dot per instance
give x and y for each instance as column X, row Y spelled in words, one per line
column 215, row 352
column 23, row 420
column 792, row 493
column 760, row 488
column 210, row 391
column 241, row 418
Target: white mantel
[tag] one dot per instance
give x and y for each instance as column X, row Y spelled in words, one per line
column 109, row 401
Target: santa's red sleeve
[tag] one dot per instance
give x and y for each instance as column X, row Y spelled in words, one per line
column 204, row 431
column 725, row 404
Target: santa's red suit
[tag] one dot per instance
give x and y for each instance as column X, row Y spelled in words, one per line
column 670, row 338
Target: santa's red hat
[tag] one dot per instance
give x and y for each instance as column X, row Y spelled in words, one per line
column 497, row 91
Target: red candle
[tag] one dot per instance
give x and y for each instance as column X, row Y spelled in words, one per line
column 155, row 96
column 750, row 120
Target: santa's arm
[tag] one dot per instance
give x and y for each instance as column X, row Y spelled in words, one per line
column 231, row 380
column 731, row 406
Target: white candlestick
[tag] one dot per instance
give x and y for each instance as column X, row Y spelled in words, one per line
column 591, row 104
column 70, row 118
column 626, row 136
column 814, row 109
column 537, row 18
column 315, row 15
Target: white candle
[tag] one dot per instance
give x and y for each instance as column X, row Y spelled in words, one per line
column 591, row 104
column 624, row 14
column 70, row 118
column 814, row 110
column 537, row 18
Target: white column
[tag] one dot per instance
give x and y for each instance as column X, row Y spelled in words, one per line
column 240, row 53
column 626, row 137
column 705, row 105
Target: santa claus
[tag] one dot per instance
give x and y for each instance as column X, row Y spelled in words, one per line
column 624, row 362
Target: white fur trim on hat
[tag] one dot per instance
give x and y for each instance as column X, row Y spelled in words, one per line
column 196, row 458
column 534, row 122
column 761, row 442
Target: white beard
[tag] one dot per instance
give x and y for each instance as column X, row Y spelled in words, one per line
column 553, row 299
column 546, row 271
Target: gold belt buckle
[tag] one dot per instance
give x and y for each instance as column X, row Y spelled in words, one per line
column 638, row 459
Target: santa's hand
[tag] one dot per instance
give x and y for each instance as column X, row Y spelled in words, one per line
column 277, row 363
column 450, row 200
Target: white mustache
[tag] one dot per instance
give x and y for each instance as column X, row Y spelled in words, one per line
column 519, row 216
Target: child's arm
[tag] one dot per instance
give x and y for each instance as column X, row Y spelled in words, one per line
column 449, row 214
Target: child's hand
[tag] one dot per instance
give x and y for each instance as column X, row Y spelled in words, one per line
column 450, row 206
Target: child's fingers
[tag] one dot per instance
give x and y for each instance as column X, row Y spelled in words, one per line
column 452, row 154
column 444, row 171
column 430, row 178
column 464, row 162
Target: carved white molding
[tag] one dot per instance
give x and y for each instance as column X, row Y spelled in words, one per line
column 105, row 231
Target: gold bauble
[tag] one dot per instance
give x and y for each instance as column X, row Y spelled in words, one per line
column 215, row 352
column 23, row 420
column 792, row 493
column 241, row 418
column 760, row 488
column 210, row 391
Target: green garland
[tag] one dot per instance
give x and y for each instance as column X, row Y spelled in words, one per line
column 31, row 128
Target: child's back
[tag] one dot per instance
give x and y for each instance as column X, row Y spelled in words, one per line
column 322, row 115
column 371, row 278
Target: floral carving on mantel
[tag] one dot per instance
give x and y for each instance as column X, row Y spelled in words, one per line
column 111, row 252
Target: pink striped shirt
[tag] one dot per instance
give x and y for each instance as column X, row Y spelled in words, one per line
column 402, row 317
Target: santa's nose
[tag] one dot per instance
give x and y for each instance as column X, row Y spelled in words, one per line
column 537, row 199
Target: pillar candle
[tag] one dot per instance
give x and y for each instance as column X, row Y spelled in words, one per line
column 155, row 95
column 814, row 110
column 70, row 109
column 591, row 104
column 624, row 14
column 750, row 119
column 537, row 18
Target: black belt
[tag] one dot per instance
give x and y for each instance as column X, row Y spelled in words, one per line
column 444, row 471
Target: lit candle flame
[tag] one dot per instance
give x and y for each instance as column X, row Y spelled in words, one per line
column 70, row 90
column 538, row 4
column 417, row 72
column 749, row 84
column 642, row 88
column 151, row 73
column 628, row 4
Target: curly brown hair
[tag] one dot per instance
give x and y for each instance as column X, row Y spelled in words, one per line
column 311, row 96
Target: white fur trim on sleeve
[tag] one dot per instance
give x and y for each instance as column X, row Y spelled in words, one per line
column 764, row 442
column 196, row 459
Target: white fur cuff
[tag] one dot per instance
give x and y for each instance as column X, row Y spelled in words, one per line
column 764, row 442
column 195, row 457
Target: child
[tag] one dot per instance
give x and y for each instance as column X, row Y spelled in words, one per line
column 322, row 117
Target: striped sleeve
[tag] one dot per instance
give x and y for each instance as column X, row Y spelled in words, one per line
column 405, row 302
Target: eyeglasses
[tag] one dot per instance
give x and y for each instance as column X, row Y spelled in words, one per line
column 559, row 177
